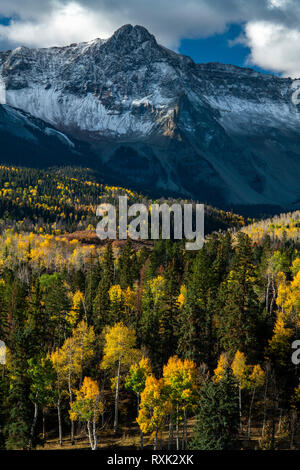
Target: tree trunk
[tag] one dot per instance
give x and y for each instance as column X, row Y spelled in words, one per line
column 44, row 424
column 265, row 406
column 177, row 429
column 102, row 399
column 71, row 401
column 274, row 295
column 35, row 416
column 117, row 398
column 293, row 422
column 141, row 432
column 88, row 425
column 280, row 420
column 183, row 443
column 250, row 412
column 267, row 293
column 59, row 422
column 240, row 408
column 95, row 437
column 171, row 431
column 155, row 439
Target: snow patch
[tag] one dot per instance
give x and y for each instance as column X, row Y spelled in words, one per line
column 85, row 113
column 2, row 91
column 62, row 137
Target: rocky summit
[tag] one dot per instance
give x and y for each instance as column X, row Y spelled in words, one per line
column 159, row 122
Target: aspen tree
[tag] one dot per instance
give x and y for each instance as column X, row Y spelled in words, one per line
column 88, row 407
column 119, row 353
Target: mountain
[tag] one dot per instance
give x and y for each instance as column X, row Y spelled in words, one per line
column 26, row 140
column 159, row 122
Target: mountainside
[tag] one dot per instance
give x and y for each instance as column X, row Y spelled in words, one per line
column 65, row 200
column 26, row 140
column 160, row 122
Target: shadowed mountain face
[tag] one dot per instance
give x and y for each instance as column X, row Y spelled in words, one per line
column 29, row 141
column 161, row 123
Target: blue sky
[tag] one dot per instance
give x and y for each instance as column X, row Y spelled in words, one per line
column 4, row 21
column 219, row 48
column 269, row 30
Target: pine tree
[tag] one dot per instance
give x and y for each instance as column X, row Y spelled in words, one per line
column 218, row 417
column 195, row 320
column 125, row 274
column 21, row 347
column 237, row 318
column 101, row 303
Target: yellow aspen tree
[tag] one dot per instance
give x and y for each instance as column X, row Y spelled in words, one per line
column 136, row 380
column 55, row 358
column 181, row 382
column 256, row 380
column 128, row 296
column 280, row 343
column 153, row 408
column 68, row 361
column 77, row 306
column 119, row 353
column 240, row 371
column 84, row 337
column 87, row 407
column 221, row 367
column 182, row 296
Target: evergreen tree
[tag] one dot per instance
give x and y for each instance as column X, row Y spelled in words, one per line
column 20, row 343
column 218, row 418
column 195, row 320
column 237, row 318
column 101, row 303
column 125, row 273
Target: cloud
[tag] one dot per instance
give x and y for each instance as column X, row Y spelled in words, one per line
column 274, row 47
column 271, row 26
column 56, row 22
column 66, row 24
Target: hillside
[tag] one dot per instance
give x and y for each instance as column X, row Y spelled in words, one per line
column 62, row 200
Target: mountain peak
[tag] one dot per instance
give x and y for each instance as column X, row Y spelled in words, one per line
column 137, row 34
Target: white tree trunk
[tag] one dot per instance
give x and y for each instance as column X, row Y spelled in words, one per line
column 116, row 420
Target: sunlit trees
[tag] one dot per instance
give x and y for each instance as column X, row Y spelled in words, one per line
column 240, row 372
column 68, row 362
column 230, row 309
column 181, row 383
column 87, row 407
column 42, row 390
column 136, row 380
column 222, row 365
column 119, row 354
column 153, row 408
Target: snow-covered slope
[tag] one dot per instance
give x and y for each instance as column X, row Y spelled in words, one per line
column 223, row 134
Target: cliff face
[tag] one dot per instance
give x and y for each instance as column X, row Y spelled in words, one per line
column 160, row 122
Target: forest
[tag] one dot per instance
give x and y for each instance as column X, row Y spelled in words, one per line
column 142, row 345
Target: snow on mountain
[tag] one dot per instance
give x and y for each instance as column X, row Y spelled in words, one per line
column 219, row 133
